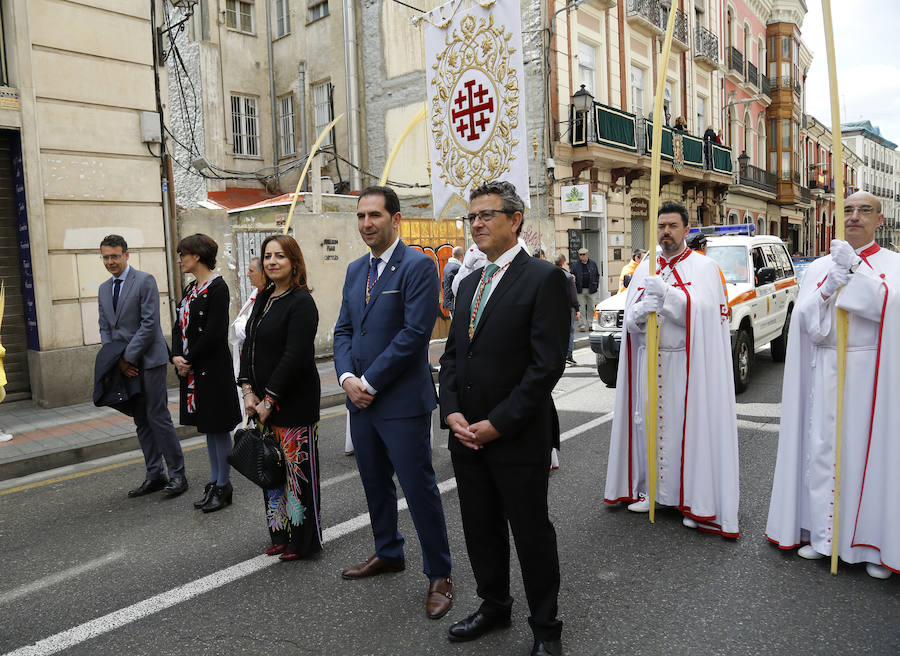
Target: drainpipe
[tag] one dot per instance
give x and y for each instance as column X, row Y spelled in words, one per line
column 350, row 72
column 301, row 104
column 272, row 94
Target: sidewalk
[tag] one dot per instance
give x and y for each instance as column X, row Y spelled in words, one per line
column 48, row 438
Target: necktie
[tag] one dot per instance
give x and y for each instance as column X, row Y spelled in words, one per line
column 373, row 276
column 117, row 285
column 483, row 289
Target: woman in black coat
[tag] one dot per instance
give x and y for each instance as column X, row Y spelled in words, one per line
column 202, row 358
column 280, row 385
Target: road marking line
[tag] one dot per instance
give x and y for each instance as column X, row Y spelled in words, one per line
column 339, row 478
column 175, row 596
column 59, row 577
column 190, row 444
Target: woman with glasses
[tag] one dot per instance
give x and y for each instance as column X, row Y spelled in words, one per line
column 202, row 359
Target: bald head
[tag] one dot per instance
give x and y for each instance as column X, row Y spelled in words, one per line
column 458, row 252
column 862, row 215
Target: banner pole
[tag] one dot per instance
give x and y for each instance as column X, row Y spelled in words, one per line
column 652, row 325
column 843, row 320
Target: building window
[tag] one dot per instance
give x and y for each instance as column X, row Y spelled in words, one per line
column 282, row 18
column 239, row 15
column 322, row 111
column 637, row 90
column 286, row 138
column 245, row 125
column 587, row 67
column 701, row 115
column 316, row 9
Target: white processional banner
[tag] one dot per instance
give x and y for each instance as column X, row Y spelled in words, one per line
column 474, row 78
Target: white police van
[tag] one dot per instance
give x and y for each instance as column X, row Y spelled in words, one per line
column 762, row 291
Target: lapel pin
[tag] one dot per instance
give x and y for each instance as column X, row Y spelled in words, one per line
column 393, row 268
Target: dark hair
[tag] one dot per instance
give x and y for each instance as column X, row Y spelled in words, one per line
column 538, row 253
column 295, row 255
column 696, row 240
column 114, row 240
column 391, row 202
column 508, row 196
column 671, row 207
column 636, row 252
column 203, row 246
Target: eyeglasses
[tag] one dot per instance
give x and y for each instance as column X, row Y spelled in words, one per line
column 112, row 258
column 864, row 210
column 485, row 216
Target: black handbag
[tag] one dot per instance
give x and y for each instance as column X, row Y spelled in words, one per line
column 257, row 456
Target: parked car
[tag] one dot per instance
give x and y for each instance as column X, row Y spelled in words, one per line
column 762, row 290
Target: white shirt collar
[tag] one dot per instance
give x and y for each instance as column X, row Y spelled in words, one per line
column 124, row 273
column 507, row 256
column 388, row 252
column 860, row 250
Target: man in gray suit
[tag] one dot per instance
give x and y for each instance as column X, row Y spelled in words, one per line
column 129, row 314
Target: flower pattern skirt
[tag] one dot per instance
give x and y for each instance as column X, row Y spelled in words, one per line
column 293, row 512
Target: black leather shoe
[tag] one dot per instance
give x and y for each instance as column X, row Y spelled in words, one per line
column 476, row 625
column 207, row 493
column 177, row 485
column 220, row 497
column 149, row 485
column 547, row 648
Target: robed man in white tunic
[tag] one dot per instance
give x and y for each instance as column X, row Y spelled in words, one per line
column 697, row 452
column 801, row 511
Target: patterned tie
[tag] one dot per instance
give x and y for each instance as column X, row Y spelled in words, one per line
column 373, row 276
column 483, row 290
column 117, row 285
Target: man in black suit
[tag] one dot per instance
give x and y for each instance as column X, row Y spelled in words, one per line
column 505, row 352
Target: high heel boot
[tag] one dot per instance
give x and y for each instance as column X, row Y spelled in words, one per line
column 207, row 493
column 221, row 497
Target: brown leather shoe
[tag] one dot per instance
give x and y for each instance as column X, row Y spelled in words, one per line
column 372, row 567
column 439, row 598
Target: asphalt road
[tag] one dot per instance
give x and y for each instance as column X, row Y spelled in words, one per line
column 85, row 569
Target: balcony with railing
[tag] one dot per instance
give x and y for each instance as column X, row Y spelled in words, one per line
column 653, row 15
column 765, row 85
column 753, row 176
column 679, row 31
column 752, row 75
column 735, row 61
column 805, row 195
column 706, row 46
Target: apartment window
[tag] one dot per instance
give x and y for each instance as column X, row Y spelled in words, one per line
column 282, row 18
column 245, row 125
column 637, row 90
column 701, row 115
column 587, row 67
column 667, row 105
column 322, row 112
column 286, row 137
column 239, row 15
column 316, row 9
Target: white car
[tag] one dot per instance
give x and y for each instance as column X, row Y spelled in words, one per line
column 762, row 291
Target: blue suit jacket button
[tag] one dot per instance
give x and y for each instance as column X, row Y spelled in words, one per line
column 362, row 332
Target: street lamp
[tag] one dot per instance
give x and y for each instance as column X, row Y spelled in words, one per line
column 582, row 103
column 582, row 100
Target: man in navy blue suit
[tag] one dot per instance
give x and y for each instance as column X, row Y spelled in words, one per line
column 389, row 306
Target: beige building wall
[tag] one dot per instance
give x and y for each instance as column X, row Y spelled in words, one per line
column 84, row 72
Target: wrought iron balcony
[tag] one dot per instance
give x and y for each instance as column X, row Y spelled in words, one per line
column 680, row 30
column 804, row 194
column 736, row 60
column 753, row 176
column 648, row 10
column 706, row 45
column 752, row 75
column 765, row 85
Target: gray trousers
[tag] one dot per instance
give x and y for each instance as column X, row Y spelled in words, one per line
column 155, row 430
column 587, row 301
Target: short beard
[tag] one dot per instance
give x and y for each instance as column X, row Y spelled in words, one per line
column 677, row 248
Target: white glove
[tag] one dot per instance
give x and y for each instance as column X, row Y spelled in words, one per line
column 838, row 275
column 654, row 293
column 842, row 254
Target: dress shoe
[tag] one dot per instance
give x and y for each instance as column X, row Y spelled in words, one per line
column 476, row 625
column 149, row 485
column 177, row 485
column 207, row 493
column 275, row 549
column 372, row 567
column 807, row 551
column 220, row 497
column 439, row 598
column 642, row 505
column 288, row 555
column 547, row 648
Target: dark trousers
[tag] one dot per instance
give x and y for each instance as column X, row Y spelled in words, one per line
column 155, row 430
column 385, row 446
column 490, row 496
